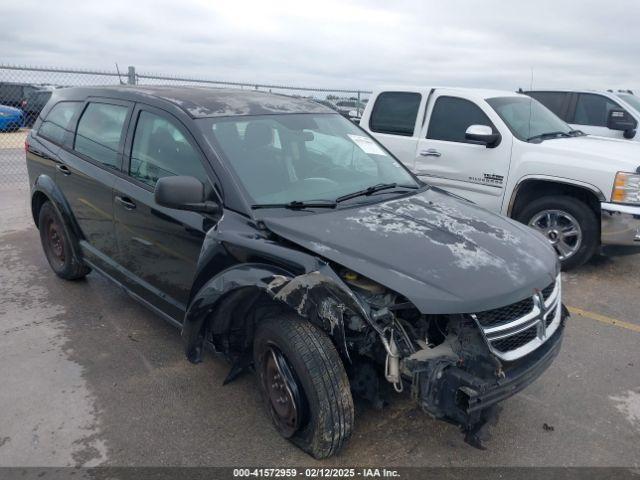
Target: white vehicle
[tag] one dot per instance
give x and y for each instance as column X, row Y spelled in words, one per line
column 604, row 113
column 510, row 154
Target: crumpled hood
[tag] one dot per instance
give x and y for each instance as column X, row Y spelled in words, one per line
column 615, row 154
column 443, row 254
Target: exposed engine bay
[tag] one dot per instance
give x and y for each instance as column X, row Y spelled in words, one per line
column 444, row 361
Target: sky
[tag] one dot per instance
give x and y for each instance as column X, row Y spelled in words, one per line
column 337, row 44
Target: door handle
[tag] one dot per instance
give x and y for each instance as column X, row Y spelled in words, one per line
column 63, row 169
column 126, row 202
column 430, row 152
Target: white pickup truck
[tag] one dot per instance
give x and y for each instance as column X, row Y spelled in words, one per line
column 510, row 154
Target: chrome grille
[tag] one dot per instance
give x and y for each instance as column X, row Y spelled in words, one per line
column 516, row 341
column 548, row 291
column 517, row 329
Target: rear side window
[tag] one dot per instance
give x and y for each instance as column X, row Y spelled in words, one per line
column 55, row 126
column 395, row 113
column 554, row 101
column 452, row 116
column 593, row 110
column 161, row 150
column 100, row 131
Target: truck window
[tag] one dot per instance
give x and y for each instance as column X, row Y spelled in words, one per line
column 56, row 124
column 631, row 100
column 593, row 110
column 452, row 116
column 554, row 101
column 395, row 113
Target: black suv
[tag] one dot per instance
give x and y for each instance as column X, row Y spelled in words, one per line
column 280, row 235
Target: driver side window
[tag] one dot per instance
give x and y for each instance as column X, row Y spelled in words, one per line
column 593, row 110
column 452, row 116
column 160, row 150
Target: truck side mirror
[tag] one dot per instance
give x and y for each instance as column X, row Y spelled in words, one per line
column 183, row 193
column 483, row 135
column 621, row 120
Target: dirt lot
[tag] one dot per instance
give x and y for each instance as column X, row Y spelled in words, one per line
column 90, row 377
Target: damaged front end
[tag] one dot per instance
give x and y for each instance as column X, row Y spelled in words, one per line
column 458, row 367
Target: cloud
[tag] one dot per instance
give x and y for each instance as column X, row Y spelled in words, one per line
column 341, row 44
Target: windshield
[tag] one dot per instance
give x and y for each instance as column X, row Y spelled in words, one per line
column 631, row 100
column 302, row 157
column 527, row 118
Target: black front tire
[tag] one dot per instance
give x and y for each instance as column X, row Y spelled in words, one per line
column 57, row 245
column 585, row 217
column 325, row 407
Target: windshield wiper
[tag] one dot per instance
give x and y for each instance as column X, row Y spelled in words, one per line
column 548, row 135
column 371, row 190
column 577, row 133
column 298, row 205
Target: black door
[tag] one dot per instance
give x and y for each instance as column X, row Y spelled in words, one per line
column 87, row 173
column 53, row 133
column 159, row 246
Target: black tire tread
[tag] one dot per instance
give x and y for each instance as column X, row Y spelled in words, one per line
column 73, row 270
column 326, row 373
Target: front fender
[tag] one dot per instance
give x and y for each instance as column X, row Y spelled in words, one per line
column 319, row 296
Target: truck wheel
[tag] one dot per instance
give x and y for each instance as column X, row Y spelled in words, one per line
column 569, row 224
column 57, row 245
column 304, row 384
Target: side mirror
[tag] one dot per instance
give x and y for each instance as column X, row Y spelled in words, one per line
column 621, row 120
column 183, row 193
column 482, row 135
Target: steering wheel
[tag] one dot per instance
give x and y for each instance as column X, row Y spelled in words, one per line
column 309, row 182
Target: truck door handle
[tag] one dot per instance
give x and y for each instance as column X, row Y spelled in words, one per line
column 63, row 169
column 430, row 152
column 126, row 202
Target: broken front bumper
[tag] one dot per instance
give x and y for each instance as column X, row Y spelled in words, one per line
column 620, row 224
column 453, row 394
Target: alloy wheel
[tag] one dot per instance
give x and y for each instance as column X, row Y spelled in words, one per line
column 561, row 229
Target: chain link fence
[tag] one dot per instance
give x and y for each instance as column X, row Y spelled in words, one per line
column 24, row 91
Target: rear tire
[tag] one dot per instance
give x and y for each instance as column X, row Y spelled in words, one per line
column 57, row 245
column 554, row 217
column 304, row 384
